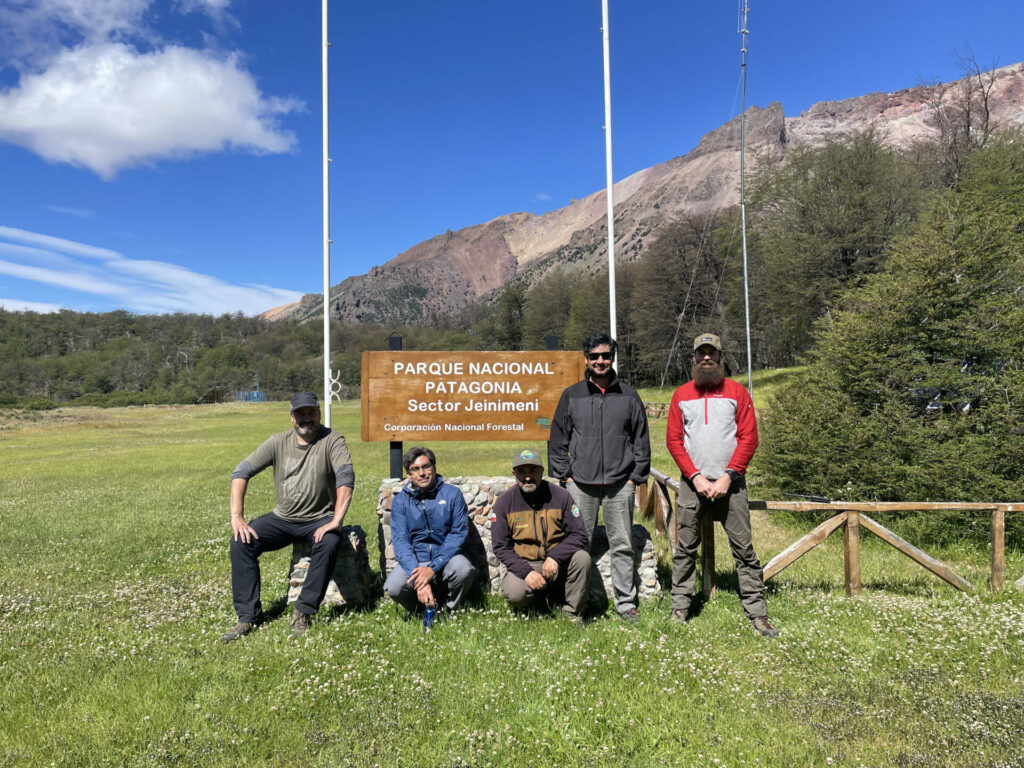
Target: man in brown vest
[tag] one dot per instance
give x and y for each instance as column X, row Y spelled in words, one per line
column 538, row 535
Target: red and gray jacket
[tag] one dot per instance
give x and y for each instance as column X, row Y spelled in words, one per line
column 711, row 430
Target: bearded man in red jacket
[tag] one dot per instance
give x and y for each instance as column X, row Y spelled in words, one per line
column 712, row 435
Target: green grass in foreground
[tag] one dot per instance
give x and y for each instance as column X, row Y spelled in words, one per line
column 114, row 587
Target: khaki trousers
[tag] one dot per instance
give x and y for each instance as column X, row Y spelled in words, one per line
column 733, row 512
column 568, row 590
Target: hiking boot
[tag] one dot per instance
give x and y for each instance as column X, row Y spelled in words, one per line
column 681, row 616
column 630, row 616
column 576, row 619
column 764, row 627
column 300, row 623
column 241, row 629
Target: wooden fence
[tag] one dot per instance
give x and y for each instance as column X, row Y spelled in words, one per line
column 655, row 501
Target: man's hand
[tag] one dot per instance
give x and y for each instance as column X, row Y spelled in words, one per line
column 319, row 532
column 421, row 577
column 549, row 569
column 703, row 486
column 426, row 596
column 535, row 581
column 720, row 487
column 241, row 530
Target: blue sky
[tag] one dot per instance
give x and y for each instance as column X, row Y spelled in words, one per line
column 165, row 156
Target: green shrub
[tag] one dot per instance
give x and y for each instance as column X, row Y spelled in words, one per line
column 38, row 404
column 916, row 391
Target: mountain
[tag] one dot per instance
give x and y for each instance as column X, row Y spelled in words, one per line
column 447, row 272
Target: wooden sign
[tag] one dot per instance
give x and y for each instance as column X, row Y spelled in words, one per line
column 429, row 396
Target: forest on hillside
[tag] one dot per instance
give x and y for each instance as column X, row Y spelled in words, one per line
column 821, row 223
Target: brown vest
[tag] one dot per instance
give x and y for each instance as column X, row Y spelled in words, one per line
column 535, row 532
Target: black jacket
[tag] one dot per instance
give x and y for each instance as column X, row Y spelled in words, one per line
column 600, row 438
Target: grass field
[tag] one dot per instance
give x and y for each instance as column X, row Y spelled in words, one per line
column 114, row 589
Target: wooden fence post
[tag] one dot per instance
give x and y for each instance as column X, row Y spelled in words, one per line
column 851, row 553
column 998, row 541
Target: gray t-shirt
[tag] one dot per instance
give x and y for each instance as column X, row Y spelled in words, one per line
column 306, row 477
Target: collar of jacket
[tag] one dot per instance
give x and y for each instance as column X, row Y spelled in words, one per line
column 538, row 498
column 430, row 493
column 613, row 385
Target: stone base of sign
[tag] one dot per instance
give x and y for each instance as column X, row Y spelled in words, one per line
column 350, row 584
column 479, row 494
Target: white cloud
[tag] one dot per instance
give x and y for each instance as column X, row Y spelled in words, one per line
column 81, row 213
column 17, row 305
column 57, row 244
column 107, row 107
column 543, row 197
column 32, row 31
column 138, row 285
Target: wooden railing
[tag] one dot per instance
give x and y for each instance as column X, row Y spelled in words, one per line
column 656, row 411
column 655, row 501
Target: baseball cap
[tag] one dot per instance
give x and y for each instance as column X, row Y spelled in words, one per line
column 304, row 400
column 707, row 338
column 527, row 457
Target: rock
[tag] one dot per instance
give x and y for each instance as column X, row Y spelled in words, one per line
column 350, row 583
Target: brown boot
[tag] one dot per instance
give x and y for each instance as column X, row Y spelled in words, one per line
column 241, row 629
column 300, row 623
column 764, row 627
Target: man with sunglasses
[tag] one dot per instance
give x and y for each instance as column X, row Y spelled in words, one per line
column 429, row 524
column 600, row 449
column 712, row 435
column 313, row 481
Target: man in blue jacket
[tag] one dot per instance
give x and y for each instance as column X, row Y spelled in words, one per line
column 429, row 523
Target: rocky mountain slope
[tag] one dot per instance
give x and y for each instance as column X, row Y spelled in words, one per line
column 447, row 272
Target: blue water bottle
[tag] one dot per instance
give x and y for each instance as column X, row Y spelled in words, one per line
column 428, row 619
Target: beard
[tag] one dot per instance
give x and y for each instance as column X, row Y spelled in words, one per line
column 707, row 376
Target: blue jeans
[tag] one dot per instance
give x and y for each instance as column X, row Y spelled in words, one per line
column 617, row 503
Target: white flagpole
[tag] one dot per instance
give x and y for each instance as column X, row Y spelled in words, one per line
column 327, row 223
column 743, row 195
column 608, row 167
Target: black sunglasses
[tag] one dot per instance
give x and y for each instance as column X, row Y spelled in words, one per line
column 599, row 355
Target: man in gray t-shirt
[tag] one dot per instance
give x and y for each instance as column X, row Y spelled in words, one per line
column 313, row 481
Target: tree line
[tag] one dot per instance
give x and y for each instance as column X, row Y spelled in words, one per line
column 821, row 223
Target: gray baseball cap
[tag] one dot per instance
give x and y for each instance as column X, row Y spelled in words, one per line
column 304, row 400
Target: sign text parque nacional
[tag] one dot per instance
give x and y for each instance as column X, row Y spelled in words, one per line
column 428, row 396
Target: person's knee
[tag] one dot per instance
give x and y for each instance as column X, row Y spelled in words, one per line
column 518, row 596
column 243, row 549
column 459, row 571
column 580, row 562
column 329, row 543
column 396, row 581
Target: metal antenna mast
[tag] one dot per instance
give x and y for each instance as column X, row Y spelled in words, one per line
column 608, row 167
column 743, row 190
column 327, row 223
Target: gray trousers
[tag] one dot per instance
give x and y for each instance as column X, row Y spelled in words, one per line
column 568, row 589
column 452, row 582
column 617, row 503
column 733, row 512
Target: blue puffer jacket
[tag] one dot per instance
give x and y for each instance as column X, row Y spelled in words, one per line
column 428, row 527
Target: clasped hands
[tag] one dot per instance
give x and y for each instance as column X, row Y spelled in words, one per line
column 715, row 490
column 420, row 579
column 537, row 580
